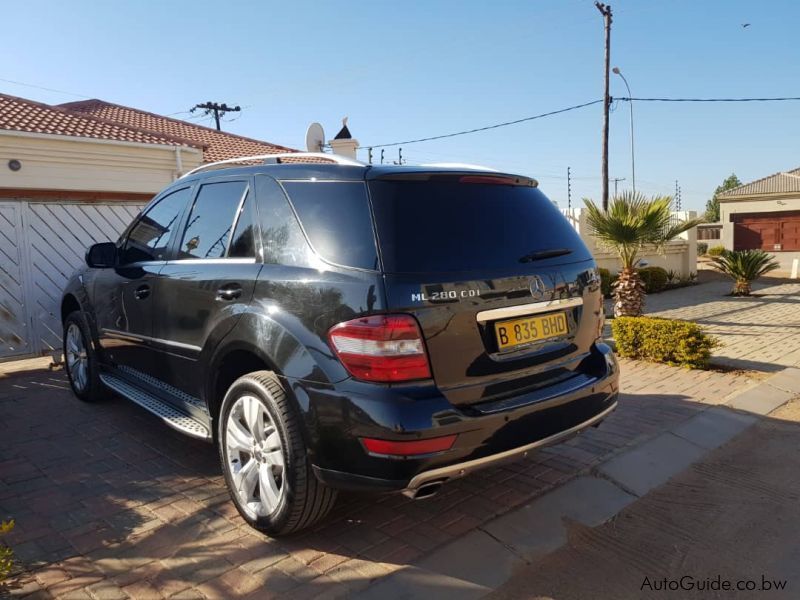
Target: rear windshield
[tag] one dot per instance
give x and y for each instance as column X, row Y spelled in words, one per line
column 440, row 226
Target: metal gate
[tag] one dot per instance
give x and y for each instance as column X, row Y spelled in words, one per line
column 15, row 327
column 46, row 242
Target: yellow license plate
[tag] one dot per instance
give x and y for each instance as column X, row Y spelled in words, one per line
column 517, row 332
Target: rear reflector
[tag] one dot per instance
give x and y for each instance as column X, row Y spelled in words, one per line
column 410, row 448
column 382, row 348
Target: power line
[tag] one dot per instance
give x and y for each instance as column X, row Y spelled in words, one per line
column 486, row 128
column 40, row 87
column 782, row 99
column 216, row 109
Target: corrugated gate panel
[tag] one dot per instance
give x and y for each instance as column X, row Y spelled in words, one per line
column 14, row 320
column 58, row 235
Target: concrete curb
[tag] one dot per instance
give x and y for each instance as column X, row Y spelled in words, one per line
column 484, row 559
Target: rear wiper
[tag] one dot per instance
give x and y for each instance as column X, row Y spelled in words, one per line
column 540, row 254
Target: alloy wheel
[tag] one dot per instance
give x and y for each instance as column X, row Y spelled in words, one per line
column 254, row 457
column 77, row 357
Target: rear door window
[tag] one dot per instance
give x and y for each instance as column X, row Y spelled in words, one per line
column 336, row 218
column 282, row 240
column 209, row 227
column 445, row 224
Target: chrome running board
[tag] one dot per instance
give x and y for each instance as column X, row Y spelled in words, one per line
column 171, row 416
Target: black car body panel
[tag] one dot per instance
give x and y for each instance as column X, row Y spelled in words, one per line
column 183, row 312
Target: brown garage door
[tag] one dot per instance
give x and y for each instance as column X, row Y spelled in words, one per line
column 777, row 231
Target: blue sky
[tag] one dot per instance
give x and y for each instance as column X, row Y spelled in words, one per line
column 403, row 70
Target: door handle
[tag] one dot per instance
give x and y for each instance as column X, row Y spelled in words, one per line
column 142, row 292
column 229, row 292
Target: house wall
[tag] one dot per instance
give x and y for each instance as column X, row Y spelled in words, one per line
column 70, row 193
column 679, row 255
column 754, row 205
column 51, row 162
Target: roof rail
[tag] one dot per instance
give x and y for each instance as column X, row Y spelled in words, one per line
column 274, row 158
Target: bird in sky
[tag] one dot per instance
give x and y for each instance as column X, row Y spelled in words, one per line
column 745, row 25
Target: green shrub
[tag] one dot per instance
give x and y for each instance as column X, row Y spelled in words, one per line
column 6, row 555
column 702, row 248
column 663, row 340
column 654, row 278
column 606, row 279
column 716, row 250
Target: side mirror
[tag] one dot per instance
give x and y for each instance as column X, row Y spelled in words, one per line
column 101, row 256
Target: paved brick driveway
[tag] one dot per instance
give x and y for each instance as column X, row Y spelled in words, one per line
column 110, row 503
column 761, row 333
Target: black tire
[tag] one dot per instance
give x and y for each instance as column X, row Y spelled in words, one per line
column 305, row 500
column 92, row 389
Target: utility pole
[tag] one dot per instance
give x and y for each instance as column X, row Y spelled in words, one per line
column 217, row 109
column 616, row 180
column 605, row 10
column 569, row 190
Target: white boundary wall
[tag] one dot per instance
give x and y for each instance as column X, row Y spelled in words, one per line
column 679, row 255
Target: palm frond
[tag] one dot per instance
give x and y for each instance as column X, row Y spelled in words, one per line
column 634, row 221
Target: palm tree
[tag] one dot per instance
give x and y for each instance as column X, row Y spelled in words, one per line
column 632, row 223
column 744, row 267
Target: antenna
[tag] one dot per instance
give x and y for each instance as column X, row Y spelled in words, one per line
column 315, row 137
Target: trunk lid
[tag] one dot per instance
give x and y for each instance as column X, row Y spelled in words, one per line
column 466, row 254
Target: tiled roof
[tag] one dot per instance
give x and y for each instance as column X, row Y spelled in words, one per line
column 19, row 114
column 219, row 145
column 787, row 182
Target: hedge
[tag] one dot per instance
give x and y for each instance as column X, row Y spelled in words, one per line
column 702, row 248
column 606, row 279
column 663, row 340
column 716, row 250
column 655, row 279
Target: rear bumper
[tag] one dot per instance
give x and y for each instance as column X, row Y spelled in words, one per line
column 484, row 438
column 442, row 474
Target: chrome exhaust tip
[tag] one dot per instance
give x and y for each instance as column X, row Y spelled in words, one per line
column 426, row 490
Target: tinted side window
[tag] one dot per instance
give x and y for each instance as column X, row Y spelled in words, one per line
column 336, row 218
column 208, row 229
column 281, row 237
column 243, row 244
column 150, row 236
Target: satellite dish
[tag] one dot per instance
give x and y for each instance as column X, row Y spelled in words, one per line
column 315, row 138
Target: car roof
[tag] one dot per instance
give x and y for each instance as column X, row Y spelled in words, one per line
column 336, row 172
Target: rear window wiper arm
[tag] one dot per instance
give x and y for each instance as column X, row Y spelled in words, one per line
column 540, row 254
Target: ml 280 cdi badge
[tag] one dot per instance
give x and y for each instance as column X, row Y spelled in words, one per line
column 343, row 326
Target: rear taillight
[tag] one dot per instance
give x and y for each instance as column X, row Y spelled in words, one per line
column 383, row 348
column 410, row 447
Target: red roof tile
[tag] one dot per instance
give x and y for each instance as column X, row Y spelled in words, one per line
column 19, row 114
column 219, row 145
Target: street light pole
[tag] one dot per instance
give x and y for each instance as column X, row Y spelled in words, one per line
column 630, row 104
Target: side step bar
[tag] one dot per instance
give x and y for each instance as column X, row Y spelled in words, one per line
column 170, row 415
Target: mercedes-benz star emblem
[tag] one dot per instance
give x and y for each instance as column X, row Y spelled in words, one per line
column 538, row 288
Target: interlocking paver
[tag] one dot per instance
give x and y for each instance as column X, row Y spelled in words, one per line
column 106, row 496
column 761, row 332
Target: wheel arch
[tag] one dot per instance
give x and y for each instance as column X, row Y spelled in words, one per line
column 69, row 304
column 229, row 363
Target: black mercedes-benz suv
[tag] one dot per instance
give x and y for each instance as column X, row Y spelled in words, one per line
column 344, row 326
